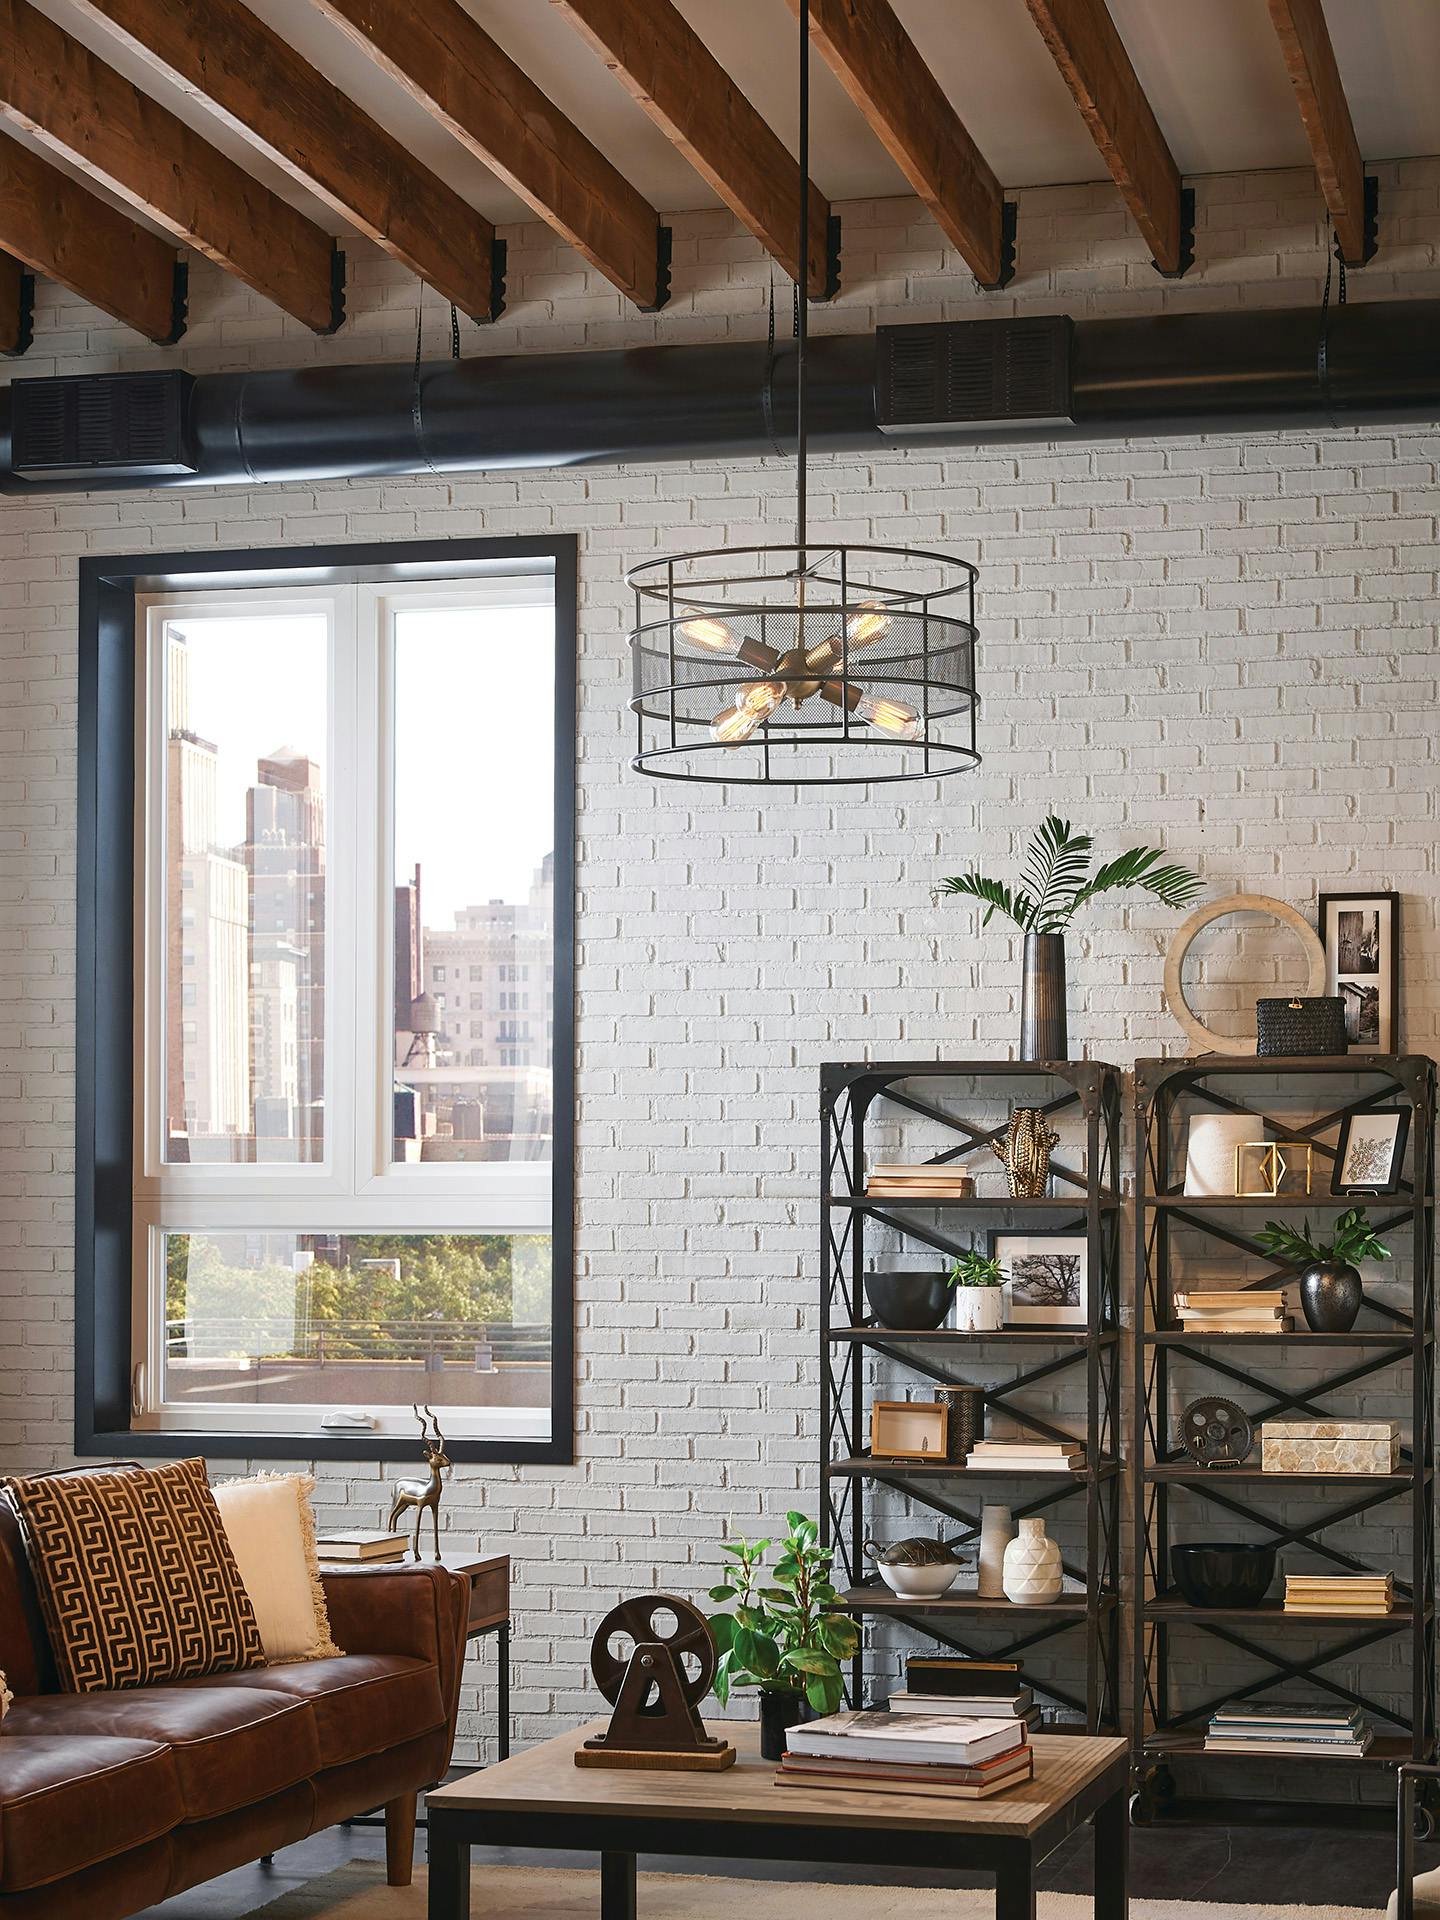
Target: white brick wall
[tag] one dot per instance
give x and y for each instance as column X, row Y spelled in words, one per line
column 1227, row 641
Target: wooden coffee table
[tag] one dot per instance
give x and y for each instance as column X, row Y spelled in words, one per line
column 542, row 1799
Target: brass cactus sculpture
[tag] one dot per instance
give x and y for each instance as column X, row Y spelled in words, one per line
column 1025, row 1153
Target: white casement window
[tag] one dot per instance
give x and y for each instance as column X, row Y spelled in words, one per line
column 345, row 796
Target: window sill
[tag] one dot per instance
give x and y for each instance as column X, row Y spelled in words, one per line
column 123, row 1443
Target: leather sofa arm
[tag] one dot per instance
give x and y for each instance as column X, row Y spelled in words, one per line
column 417, row 1610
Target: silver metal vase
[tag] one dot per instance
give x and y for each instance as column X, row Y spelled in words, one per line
column 1043, row 1034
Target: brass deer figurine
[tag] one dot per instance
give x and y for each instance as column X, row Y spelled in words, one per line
column 420, row 1494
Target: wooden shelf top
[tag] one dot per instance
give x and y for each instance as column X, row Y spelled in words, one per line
column 955, row 1336
column 1368, row 1337
column 1275, row 1202
column 999, row 1203
column 1218, row 1476
column 1387, row 1750
column 881, row 1600
column 1270, row 1611
column 864, row 1464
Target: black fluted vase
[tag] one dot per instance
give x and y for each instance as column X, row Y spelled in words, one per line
column 1042, row 999
column 1331, row 1292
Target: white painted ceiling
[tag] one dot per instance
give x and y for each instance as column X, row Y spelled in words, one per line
column 1211, row 68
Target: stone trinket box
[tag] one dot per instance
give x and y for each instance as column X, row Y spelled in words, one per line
column 1329, row 1446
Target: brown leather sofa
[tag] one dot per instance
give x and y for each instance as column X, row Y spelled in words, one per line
column 110, row 1802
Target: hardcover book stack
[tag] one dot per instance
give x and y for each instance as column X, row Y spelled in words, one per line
column 1027, row 1456
column 1280, row 1726
column 978, row 1689
column 1362, row 1594
column 925, row 1182
column 945, row 1757
column 366, row 1545
column 1221, row 1310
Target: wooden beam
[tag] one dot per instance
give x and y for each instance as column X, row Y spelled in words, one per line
column 876, row 62
column 663, row 63
column 1092, row 57
column 264, row 90
column 445, row 60
column 17, row 306
column 1310, row 59
column 56, row 89
column 57, row 227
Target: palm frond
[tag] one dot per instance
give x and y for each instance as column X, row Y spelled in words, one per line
column 994, row 894
column 1056, row 864
column 1175, row 886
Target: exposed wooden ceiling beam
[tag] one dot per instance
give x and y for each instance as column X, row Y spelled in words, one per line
column 262, row 88
column 57, row 227
column 668, row 69
column 1310, row 58
column 447, row 62
column 57, row 89
column 1092, row 57
column 876, row 62
column 17, row 306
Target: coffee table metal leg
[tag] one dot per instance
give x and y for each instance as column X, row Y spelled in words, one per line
column 1015, row 1885
column 502, row 1689
column 617, row 1886
column 1112, row 1858
column 448, row 1853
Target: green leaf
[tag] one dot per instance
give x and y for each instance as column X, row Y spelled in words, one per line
column 824, row 1695
column 720, row 1685
column 994, row 895
column 808, row 1660
column 751, row 1617
column 722, row 1626
column 722, row 1593
column 838, row 1636
column 1175, row 886
column 1056, row 864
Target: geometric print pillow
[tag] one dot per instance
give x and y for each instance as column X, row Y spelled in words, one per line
column 136, row 1578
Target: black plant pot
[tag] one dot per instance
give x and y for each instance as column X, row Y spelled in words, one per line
column 1042, row 999
column 1223, row 1573
column 778, row 1712
column 1330, row 1294
column 908, row 1300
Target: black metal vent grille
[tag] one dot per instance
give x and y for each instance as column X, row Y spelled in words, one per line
column 973, row 373
column 109, row 423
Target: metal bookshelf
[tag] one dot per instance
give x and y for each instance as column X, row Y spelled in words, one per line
column 1166, row 1485
column 1085, row 1198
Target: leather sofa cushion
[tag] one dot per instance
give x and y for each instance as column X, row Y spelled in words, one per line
column 362, row 1702
column 228, row 1746
column 70, row 1802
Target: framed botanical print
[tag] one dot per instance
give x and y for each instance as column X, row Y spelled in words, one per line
column 1371, row 1151
column 1049, row 1284
column 1360, row 933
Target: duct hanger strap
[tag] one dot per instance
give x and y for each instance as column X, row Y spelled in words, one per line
column 1333, row 256
column 417, row 420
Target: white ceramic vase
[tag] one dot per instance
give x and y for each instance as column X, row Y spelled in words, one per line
column 979, row 1309
column 1032, row 1573
column 995, row 1536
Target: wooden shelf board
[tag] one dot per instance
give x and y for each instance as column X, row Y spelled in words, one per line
column 1213, row 1476
column 864, row 1464
column 1386, row 1750
column 1370, row 1337
column 881, row 1600
column 1311, row 1202
column 954, row 1336
column 1272, row 1610
column 1109, row 1202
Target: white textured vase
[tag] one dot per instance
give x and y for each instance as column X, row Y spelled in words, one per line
column 1032, row 1566
column 979, row 1309
column 995, row 1536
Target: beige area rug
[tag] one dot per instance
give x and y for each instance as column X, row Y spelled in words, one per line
column 358, row 1892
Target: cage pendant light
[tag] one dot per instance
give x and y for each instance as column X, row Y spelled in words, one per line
column 812, row 664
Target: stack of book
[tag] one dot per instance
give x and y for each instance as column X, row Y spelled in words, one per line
column 929, row 1181
column 976, row 1689
column 1026, row 1456
column 1221, row 1310
column 950, row 1757
column 1282, row 1726
column 361, row 1545
column 1358, row 1593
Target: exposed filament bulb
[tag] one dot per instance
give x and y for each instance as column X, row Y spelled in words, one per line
column 890, row 716
column 761, row 697
column 705, row 631
column 866, row 625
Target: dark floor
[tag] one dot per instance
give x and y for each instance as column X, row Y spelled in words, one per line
column 1288, row 1866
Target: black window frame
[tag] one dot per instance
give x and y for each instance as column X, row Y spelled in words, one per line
column 105, row 980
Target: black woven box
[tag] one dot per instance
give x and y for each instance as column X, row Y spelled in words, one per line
column 1301, row 1026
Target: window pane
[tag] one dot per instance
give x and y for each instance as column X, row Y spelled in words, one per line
column 364, row 1320
column 244, row 821
column 474, row 898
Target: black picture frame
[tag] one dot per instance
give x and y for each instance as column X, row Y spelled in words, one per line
column 1393, row 1181
column 1369, row 986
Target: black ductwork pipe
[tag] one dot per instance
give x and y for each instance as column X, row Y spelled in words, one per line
column 1180, row 373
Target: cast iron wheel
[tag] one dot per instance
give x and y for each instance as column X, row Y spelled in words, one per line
column 636, row 1618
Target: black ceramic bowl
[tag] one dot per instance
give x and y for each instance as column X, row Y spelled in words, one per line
column 1223, row 1573
column 913, row 1300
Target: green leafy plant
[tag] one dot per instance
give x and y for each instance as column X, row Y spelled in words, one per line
column 1057, row 882
column 1352, row 1239
column 780, row 1635
column 974, row 1269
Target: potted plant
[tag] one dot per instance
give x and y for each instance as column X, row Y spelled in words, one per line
column 781, row 1637
column 979, row 1283
column 1055, row 883
column 1331, row 1290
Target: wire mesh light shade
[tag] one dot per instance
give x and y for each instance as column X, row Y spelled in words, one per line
column 804, row 666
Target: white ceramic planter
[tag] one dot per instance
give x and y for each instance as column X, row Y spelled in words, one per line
column 1032, row 1572
column 979, row 1309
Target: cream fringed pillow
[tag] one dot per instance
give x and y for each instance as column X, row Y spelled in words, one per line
column 7, row 1698
column 271, row 1528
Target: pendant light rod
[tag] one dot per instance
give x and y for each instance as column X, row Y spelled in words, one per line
column 802, row 317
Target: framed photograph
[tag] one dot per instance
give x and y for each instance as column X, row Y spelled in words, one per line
column 1360, row 933
column 1049, row 1284
column 909, row 1429
column 1371, row 1151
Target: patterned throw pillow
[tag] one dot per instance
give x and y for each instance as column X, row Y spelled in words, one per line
column 137, row 1581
